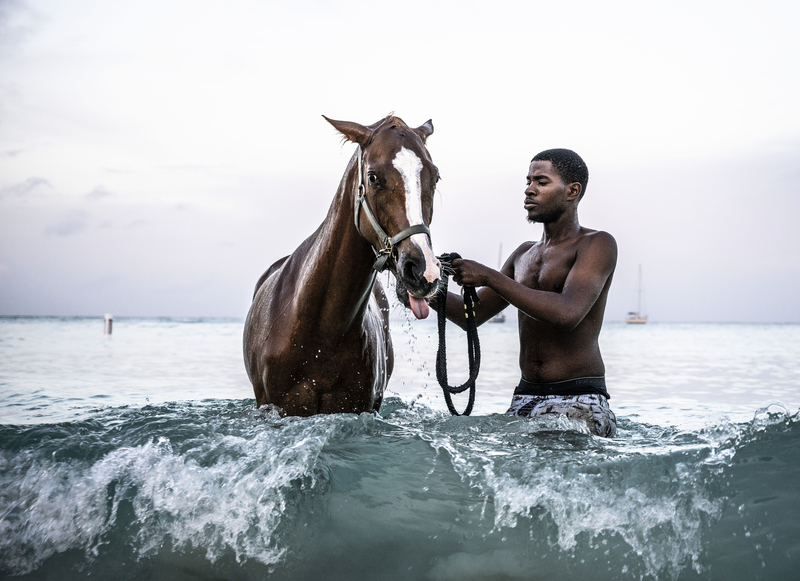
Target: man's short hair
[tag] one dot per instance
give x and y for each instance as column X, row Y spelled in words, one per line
column 568, row 164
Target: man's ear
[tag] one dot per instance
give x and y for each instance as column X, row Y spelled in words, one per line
column 574, row 191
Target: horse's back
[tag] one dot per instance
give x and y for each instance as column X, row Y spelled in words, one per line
column 259, row 325
column 269, row 272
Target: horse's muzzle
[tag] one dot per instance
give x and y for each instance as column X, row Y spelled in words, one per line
column 418, row 305
column 418, row 277
column 414, row 285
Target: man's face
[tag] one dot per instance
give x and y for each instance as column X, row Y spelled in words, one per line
column 546, row 194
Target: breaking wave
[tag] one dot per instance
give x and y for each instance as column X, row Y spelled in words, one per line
column 220, row 489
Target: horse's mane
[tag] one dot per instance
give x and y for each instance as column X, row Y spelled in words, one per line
column 388, row 122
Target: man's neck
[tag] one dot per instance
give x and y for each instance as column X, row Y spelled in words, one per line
column 566, row 226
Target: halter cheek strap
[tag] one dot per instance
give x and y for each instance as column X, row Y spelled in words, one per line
column 383, row 255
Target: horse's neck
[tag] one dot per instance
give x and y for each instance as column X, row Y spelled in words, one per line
column 337, row 276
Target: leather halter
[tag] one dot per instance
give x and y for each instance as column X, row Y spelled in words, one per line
column 383, row 255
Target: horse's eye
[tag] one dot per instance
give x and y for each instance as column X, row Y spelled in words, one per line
column 373, row 179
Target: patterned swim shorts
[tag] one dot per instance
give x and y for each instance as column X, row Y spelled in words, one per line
column 589, row 408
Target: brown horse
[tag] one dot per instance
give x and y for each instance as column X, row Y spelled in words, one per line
column 316, row 339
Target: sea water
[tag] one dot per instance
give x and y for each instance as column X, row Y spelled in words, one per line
column 142, row 456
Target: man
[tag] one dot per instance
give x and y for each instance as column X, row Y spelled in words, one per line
column 560, row 286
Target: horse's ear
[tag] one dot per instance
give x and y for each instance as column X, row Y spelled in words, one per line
column 351, row 131
column 425, row 130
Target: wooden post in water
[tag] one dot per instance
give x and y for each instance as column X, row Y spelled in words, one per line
column 107, row 325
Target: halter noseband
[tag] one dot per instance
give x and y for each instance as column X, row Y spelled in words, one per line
column 383, row 255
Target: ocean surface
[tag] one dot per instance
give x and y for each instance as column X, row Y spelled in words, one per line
column 142, row 456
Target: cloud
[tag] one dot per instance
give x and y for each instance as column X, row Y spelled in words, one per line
column 98, row 192
column 24, row 188
column 16, row 23
column 72, row 224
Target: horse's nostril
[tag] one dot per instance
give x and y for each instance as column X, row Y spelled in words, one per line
column 412, row 272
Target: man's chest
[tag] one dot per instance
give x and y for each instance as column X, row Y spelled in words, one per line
column 544, row 268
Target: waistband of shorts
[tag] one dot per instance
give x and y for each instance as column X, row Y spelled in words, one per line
column 578, row 386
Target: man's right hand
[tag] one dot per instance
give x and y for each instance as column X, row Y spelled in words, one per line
column 471, row 273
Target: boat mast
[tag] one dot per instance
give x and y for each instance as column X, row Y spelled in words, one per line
column 639, row 303
column 500, row 257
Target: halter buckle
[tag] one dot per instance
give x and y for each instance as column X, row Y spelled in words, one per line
column 382, row 258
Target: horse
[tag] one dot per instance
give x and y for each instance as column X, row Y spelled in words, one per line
column 316, row 337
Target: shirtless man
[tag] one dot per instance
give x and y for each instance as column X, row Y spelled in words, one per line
column 560, row 286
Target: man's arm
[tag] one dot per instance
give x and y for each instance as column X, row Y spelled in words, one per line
column 594, row 263
column 489, row 305
column 490, row 302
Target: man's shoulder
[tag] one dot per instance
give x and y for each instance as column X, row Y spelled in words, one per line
column 597, row 237
column 599, row 247
column 523, row 248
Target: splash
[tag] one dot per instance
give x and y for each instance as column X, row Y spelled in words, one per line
column 227, row 490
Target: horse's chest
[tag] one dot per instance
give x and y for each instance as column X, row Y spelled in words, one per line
column 357, row 359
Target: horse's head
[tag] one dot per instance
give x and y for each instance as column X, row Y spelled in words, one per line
column 394, row 203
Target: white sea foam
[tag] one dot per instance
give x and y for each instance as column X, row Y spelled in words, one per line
column 234, row 504
column 224, row 488
column 654, row 502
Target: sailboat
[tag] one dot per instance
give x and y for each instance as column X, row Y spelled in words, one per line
column 499, row 317
column 636, row 318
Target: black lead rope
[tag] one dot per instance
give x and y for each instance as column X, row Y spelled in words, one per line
column 473, row 345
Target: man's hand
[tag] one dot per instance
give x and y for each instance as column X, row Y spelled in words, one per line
column 471, row 273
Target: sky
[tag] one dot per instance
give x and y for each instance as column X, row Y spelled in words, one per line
column 157, row 156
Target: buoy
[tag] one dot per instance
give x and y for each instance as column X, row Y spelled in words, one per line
column 107, row 326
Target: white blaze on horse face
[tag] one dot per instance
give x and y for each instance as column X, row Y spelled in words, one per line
column 410, row 166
